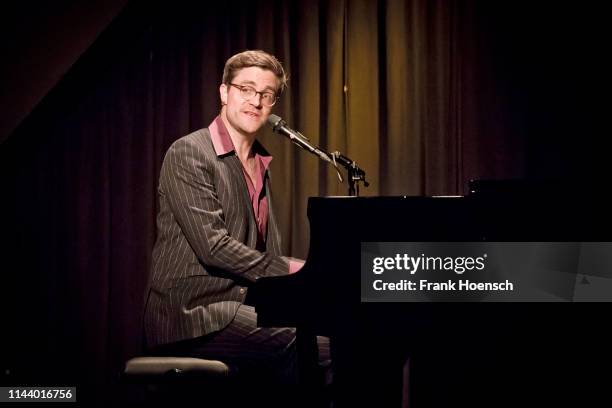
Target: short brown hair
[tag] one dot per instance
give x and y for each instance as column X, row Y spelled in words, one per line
column 254, row 58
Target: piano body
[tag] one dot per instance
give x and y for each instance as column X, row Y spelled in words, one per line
column 458, row 352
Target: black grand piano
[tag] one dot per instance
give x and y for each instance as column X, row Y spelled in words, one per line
column 481, row 354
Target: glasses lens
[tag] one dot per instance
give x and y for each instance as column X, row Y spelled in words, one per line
column 268, row 99
column 247, row 92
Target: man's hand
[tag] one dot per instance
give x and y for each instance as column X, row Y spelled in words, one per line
column 295, row 264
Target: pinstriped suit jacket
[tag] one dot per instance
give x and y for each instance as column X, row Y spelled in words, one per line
column 203, row 259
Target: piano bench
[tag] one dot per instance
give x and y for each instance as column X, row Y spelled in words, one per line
column 167, row 369
column 168, row 380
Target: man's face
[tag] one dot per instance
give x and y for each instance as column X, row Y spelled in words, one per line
column 248, row 116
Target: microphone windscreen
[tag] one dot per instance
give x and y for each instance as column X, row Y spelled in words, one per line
column 274, row 120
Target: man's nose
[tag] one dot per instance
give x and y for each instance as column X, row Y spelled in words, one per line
column 256, row 100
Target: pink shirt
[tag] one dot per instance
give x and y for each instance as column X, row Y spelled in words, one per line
column 222, row 142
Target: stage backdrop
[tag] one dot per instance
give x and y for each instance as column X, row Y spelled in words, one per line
column 424, row 95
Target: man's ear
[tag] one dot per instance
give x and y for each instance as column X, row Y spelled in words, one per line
column 223, row 94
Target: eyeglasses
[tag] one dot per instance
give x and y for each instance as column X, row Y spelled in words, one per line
column 248, row 92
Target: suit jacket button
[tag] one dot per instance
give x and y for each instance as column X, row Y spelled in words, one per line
column 242, row 291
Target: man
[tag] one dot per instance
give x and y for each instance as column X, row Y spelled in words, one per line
column 217, row 233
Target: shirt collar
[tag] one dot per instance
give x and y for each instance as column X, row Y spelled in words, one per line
column 222, row 142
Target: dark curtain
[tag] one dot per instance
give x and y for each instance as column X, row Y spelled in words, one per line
column 424, row 95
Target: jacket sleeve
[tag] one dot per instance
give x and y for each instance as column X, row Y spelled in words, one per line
column 187, row 180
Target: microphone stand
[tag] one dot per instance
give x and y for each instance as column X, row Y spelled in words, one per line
column 355, row 174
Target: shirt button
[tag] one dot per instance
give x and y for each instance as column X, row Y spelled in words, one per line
column 242, row 291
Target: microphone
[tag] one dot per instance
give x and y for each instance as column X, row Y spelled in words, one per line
column 280, row 126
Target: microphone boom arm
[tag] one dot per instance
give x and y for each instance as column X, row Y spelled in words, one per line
column 355, row 174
